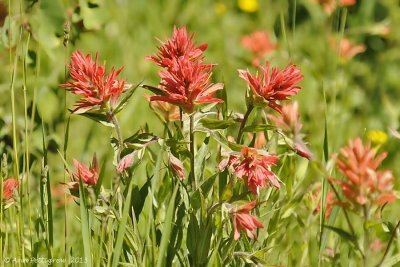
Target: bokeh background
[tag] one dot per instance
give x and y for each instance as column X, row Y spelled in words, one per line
column 358, row 92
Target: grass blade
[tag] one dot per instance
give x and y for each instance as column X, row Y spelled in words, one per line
column 167, row 228
column 85, row 224
column 122, row 226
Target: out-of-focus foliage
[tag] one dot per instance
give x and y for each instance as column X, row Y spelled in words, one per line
column 356, row 94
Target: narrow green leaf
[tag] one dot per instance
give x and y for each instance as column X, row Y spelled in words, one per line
column 200, row 160
column 208, row 184
column 126, row 96
column 122, row 226
column 153, row 89
column 85, row 224
column 216, row 124
column 167, row 226
column 344, row 234
column 258, row 128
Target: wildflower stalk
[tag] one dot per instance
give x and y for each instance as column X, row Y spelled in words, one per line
column 27, row 134
column 191, row 141
column 117, row 128
column 243, row 124
column 389, row 244
column 366, row 233
column 67, row 28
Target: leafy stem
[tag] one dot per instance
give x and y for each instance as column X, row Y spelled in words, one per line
column 243, row 124
column 389, row 244
column 117, row 128
column 366, row 232
column 191, row 141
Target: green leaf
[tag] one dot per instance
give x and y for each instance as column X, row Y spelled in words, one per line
column 222, row 181
column 200, row 160
column 192, row 236
column 204, row 242
column 122, row 226
column 139, row 140
column 139, row 197
column 196, row 199
column 258, row 128
column 215, row 124
column 344, row 234
column 153, row 89
column 167, row 227
column 208, row 184
column 126, row 96
column 97, row 117
column 85, row 223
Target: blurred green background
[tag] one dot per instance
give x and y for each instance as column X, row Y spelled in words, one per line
column 358, row 94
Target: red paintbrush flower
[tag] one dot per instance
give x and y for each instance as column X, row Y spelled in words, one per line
column 126, row 162
column 273, row 85
column 242, row 220
column 8, row 187
column 365, row 184
column 89, row 80
column 256, row 169
column 185, row 80
column 176, row 166
column 180, row 45
column 89, row 175
column 187, row 84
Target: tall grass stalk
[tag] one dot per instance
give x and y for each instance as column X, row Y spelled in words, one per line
column 66, row 131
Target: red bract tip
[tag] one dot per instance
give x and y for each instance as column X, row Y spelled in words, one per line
column 89, row 175
column 8, row 187
column 180, row 45
column 89, row 80
column 255, row 168
column 273, row 85
column 185, row 79
column 242, row 220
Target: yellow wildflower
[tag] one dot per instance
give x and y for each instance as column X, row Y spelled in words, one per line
column 249, row 6
column 377, row 137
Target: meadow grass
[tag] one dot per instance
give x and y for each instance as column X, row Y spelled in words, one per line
column 147, row 208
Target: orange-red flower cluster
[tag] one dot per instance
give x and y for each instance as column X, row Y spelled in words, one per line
column 259, row 44
column 254, row 167
column 185, row 79
column 274, row 85
column 365, row 184
column 89, row 80
column 242, row 220
column 330, row 5
column 8, row 187
column 89, row 175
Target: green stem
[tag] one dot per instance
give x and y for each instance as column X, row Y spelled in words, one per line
column 366, row 233
column 65, row 42
column 117, row 128
column 243, row 124
column 392, row 237
column 191, row 141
